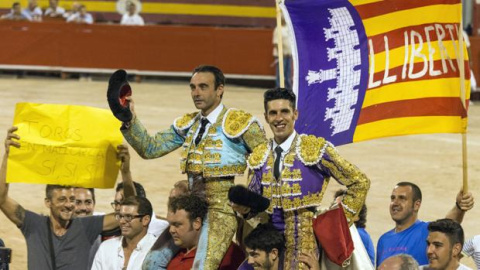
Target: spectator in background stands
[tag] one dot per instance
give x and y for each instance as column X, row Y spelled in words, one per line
column 81, row 16
column 33, row 11
column 15, row 14
column 74, row 10
column 131, row 17
column 54, row 11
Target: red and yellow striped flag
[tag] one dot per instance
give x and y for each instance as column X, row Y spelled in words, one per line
column 399, row 74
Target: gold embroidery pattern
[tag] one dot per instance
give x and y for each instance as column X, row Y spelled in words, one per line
column 185, row 121
column 309, row 149
column 222, row 222
column 254, row 136
column 300, row 222
column 215, row 171
column 349, row 175
column 291, row 175
column 236, row 122
column 258, row 157
column 210, row 158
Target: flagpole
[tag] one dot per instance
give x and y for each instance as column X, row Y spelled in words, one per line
column 461, row 68
column 280, row 45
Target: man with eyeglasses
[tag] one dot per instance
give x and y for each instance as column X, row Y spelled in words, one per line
column 128, row 188
column 128, row 251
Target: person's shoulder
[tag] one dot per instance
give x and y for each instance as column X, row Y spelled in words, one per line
column 236, row 122
column 185, row 121
column 111, row 243
column 310, row 148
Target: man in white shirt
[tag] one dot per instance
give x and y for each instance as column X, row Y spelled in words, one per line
column 81, row 16
column 54, row 10
column 129, row 250
column 131, row 17
column 33, row 11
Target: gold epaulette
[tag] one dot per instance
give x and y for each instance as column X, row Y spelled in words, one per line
column 310, row 149
column 186, row 121
column 236, row 122
column 258, row 157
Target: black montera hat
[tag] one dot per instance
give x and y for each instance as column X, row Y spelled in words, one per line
column 118, row 90
column 241, row 195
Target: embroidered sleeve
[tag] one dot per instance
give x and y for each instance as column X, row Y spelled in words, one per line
column 254, row 136
column 349, row 175
column 149, row 147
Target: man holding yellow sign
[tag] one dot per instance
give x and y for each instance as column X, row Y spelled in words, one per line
column 56, row 241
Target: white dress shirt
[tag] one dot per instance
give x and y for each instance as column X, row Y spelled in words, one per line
column 285, row 148
column 135, row 19
column 110, row 254
column 212, row 118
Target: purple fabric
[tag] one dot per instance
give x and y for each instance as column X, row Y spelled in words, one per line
column 278, row 220
column 331, row 59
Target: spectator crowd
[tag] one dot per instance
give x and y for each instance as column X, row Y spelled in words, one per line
column 77, row 14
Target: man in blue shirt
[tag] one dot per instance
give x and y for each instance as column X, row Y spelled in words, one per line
column 410, row 234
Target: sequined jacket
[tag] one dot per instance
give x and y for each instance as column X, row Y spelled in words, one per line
column 221, row 153
column 307, row 169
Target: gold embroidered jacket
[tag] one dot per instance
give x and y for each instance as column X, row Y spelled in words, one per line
column 307, row 169
column 222, row 152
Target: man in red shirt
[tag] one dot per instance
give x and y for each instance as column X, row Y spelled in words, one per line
column 185, row 215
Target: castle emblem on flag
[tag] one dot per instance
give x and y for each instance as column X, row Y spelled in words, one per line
column 346, row 73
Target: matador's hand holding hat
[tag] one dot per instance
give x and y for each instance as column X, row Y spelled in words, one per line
column 118, row 91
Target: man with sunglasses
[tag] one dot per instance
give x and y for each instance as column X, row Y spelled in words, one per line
column 128, row 251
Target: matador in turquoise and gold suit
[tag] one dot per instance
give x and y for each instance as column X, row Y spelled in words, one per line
column 211, row 166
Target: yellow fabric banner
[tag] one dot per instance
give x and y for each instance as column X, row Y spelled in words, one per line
column 65, row 145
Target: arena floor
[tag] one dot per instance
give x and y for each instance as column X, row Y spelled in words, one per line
column 432, row 161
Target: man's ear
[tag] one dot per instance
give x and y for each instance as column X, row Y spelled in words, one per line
column 457, row 250
column 197, row 223
column 146, row 221
column 274, row 254
column 47, row 202
column 220, row 90
column 295, row 114
column 416, row 205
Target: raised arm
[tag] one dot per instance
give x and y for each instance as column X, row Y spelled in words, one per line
column 124, row 156
column 147, row 146
column 14, row 211
column 463, row 203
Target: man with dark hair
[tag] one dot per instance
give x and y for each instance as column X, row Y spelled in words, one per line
column 410, row 234
column 399, row 262
column 293, row 171
column 57, row 241
column 444, row 245
column 185, row 215
column 84, row 202
column 128, row 251
column 265, row 247
column 214, row 143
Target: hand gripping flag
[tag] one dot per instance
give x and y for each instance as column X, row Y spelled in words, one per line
column 367, row 69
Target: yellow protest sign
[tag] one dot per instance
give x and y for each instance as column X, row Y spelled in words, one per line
column 65, row 145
